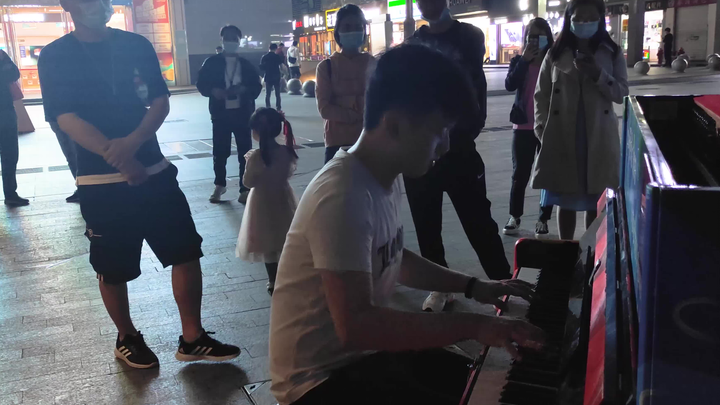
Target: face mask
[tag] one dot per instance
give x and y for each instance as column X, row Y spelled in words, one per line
column 584, row 30
column 542, row 42
column 94, row 14
column 231, row 46
column 444, row 16
column 352, row 40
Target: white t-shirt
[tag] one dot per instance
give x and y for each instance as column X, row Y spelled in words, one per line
column 293, row 52
column 346, row 221
column 233, row 76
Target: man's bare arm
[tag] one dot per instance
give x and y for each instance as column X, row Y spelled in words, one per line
column 363, row 326
column 84, row 133
column 422, row 274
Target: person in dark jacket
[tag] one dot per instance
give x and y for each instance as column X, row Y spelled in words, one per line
column 668, row 40
column 232, row 83
column 9, row 152
column 270, row 65
column 522, row 78
column 461, row 172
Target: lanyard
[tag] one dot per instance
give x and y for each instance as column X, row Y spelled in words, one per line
column 231, row 79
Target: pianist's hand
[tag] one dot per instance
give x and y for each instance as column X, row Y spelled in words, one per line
column 511, row 334
column 491, row 292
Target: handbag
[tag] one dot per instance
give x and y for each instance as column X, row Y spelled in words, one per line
column 16, row 92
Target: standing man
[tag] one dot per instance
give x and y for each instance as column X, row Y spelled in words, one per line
column 270, row 65
column 460, row 173
column 9, row 151
column 293, row 59
column 668, row 47
column 232, row 84
column 97, row 83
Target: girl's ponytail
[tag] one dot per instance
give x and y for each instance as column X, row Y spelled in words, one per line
column 289, row 137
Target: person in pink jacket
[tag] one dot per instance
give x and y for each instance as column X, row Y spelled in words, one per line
column 340, row 87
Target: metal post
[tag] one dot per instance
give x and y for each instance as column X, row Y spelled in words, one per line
column 636, row 28
column 409, row 20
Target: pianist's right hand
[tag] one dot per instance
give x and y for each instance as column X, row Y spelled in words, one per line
column 511, row 333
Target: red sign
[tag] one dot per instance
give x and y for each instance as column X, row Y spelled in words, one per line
column 152, row 20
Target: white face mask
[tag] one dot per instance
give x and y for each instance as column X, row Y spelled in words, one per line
column 94, row 14
column 231, row 47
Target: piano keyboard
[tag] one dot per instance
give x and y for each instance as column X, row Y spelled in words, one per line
column 536, row 379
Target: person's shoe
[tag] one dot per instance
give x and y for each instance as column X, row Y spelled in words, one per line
column 133, row 351
column 512, row 227
column 243, row 196
column 541, row 230
column 215, row 196
column 205, row 348
column 16, row 201
column 436, row 301
column 74, row 198
column 270, row 288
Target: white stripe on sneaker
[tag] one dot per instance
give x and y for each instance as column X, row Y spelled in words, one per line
column 126, row 353
column 207, row 351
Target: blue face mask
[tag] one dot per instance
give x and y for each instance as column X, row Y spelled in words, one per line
column 542, row 42
column 584, row 30
column 444, row 16
column 352, row 40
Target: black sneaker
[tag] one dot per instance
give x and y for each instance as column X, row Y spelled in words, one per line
column 133, row 351
column 206, row 348
column 74, row 198
column 541, row 230
column 16, row 201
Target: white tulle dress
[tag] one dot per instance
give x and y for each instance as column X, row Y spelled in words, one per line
column 270, row 206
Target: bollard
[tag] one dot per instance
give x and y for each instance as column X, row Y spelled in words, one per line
column 308, row 89
column 294, row 87
column 642, row 67
column 679, row 65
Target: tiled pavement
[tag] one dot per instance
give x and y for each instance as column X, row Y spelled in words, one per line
column 55, row 336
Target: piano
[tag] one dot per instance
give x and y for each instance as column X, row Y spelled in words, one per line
column 632, row 310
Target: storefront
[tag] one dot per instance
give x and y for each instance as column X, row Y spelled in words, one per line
column 397, row 9
column 26, row 29
column 691, row 22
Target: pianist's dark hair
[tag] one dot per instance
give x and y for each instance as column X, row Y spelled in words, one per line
column 568, row 40
column 418, row 80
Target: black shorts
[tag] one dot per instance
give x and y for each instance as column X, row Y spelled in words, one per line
column 119, row 218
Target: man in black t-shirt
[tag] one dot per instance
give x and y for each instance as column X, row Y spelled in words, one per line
column 97, row 84
column 270, row 65
column 461, row 172
column 668, row 47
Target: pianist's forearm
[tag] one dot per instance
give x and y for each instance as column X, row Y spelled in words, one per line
column 422, row 274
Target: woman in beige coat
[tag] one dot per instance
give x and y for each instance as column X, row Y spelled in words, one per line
column 581, row 77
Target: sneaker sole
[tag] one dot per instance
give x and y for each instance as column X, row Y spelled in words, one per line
column 189, row 357
column 511, row 231
column 542, row 236
column 134, row 365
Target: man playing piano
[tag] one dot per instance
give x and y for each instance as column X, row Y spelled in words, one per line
column 333, row 337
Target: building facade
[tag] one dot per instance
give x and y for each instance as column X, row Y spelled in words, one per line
column 27, row 26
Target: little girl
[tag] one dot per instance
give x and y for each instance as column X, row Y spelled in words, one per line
column 271, row 204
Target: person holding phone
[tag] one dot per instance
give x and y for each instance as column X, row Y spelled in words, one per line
column 583, row 74
column 522, row 78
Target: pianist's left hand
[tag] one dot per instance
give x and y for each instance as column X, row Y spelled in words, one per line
column 491, row 292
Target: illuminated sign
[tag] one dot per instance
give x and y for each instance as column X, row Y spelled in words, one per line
column 314, row 22
column 330, row 18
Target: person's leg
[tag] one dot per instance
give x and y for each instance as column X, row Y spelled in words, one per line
column 589, row 218
column 567, row 220
column 330, row 152
column 115, row 298
column 278, row 100
column 425, row 196
column 243, row 140
column 187, row 288
column 271, row 269
column 222, row 133
column 67, row 146
column 268, row 92
column 425, row 377
column 545, row 213
column 467, row 190
column 524, row 146
column 9, row 152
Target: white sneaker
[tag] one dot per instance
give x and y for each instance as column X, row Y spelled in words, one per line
column 243, row 196
column 215, row 196
column 512, row 227
column 436, row 301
